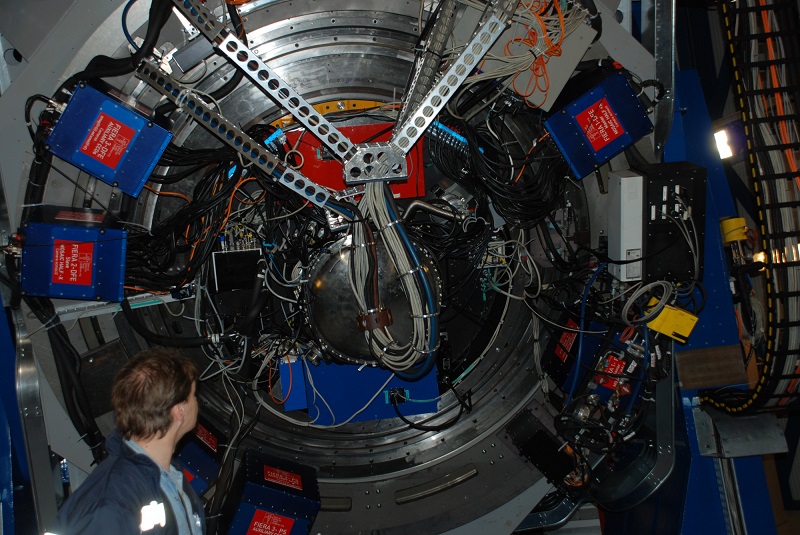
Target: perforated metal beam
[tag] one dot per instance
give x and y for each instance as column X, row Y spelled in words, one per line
column 406, row 134
column 230, row 134
column 265, row 78
column 428, row 60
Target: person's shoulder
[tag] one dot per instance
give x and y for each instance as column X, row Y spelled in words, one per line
column 113, row 494
column 84, row 517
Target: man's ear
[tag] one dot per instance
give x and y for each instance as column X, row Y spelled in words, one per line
column 176, row 412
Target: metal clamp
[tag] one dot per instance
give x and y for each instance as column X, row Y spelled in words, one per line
column 375, row 162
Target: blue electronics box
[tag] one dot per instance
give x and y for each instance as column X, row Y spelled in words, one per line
column 199, row 468
column 73, row 262
column 108, row 140
column 598, row 125
column 334, row 393
column 270, row 495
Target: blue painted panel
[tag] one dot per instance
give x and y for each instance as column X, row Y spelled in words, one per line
column 108, row 140
column 702, row 511
column 598, row 125
column 73, row 262
column 692, row 140
column 348, row 388
column 12, row 446
column 754, row 494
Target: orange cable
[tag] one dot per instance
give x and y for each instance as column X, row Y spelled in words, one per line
column 168, row 194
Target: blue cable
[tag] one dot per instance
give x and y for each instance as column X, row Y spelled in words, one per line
column 429, row 361
column 348, row 214
column 593, row 278
column 125, row 11
column 275, row 135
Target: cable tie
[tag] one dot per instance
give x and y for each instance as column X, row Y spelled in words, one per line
column 390, row 224
column 360, row 245
column 431, row 350
column 425, row 316
column 411, row 272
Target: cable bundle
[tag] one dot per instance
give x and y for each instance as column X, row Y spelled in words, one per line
column 398, row 355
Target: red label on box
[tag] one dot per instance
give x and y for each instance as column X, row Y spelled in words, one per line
column 566, row 341
column 72, row 262
column 600, row 124
column 107, row 140
column 88, row 217
column 614, row 366
column 266, row 523
column 282, row 477
column 188, row 475
column 206, row 437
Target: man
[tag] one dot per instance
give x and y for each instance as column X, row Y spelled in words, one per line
column 138, row 488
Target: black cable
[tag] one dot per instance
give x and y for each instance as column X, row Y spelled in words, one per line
column 105, row 67
column 156, row 338
column 238, row 75
column 225, row 477
column 393, row 395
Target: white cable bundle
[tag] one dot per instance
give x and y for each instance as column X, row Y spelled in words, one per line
column 395, row 354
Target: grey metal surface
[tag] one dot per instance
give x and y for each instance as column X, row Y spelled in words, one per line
column 505, row 518
column 330, row 290
column 11, row 63
column 730, row 498
column 26, row 24
column 665, row 72
column 555, row 517
column 72, row 310
column 560, row 68
column 622, row 46
column 34, row 428
column 265, row 78
column 721, row 435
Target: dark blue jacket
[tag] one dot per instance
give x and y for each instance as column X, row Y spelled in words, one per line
column 112, row 497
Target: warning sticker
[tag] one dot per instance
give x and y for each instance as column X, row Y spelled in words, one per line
column 600, row 124
column 612, row 368
column 282, row 477
column 107, row 140
column 206, row 437
column 565, row 342
column 266, row 523
column 72, row 262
